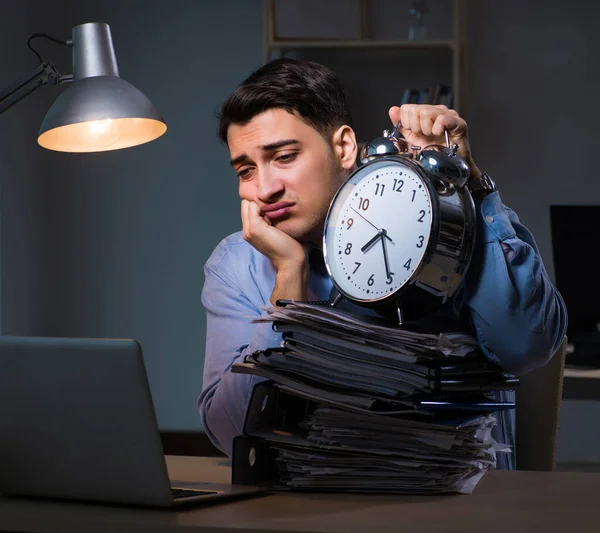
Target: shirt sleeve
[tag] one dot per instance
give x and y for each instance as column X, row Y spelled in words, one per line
column 230, row 335
column 518, row 316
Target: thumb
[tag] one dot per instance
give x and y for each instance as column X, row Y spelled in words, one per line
column 394, row 114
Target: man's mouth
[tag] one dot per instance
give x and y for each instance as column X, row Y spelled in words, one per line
column 277, row 211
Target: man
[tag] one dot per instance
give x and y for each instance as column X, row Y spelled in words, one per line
column 289, row 134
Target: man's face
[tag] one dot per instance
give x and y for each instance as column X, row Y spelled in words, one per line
column 288, row 169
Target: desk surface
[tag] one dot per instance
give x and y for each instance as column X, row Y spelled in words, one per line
column 502, row 502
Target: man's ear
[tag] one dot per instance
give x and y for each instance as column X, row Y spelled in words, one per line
column 344, row 146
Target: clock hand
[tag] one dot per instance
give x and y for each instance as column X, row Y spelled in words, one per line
column 385, row 259
column 384, row 234
column 367, row 220
column 364, row 218
column 371, row 242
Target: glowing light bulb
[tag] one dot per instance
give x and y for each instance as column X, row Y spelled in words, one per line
column 101, row 133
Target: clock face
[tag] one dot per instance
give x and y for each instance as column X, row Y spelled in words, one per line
column 377, row 230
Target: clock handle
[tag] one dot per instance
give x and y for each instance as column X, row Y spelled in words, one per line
column 451, row 149
column 396, row 132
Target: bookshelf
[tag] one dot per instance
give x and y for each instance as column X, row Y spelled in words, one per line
column 366, row 42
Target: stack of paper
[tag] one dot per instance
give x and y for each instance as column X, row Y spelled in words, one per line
column 387, row 454
column 396, row 410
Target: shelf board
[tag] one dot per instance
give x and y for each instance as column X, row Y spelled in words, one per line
column 361, row 43
column 583, row 374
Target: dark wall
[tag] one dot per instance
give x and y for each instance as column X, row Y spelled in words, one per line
column 113, row 244
column 533, row 84
column 533, row 80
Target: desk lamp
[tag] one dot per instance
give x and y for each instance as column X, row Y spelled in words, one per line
column 99, row 111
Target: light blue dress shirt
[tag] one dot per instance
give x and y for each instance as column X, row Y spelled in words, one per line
column 506, row 300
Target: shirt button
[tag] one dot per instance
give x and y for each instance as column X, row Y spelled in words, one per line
column 489, row 219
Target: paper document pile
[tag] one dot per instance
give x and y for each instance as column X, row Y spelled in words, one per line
column 357, row 404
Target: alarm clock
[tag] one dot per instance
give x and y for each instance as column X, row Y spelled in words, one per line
column 400, row 231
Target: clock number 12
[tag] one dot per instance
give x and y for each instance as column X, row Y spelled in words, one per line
column 398, row 184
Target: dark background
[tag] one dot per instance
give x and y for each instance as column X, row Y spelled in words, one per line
column 113, row 244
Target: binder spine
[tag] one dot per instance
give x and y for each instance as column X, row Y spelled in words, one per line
column 253, row 463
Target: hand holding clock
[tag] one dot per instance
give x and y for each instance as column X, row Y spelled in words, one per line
column 394, row 191
column 423, row 125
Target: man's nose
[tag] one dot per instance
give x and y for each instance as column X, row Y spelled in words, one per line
column 270, row 186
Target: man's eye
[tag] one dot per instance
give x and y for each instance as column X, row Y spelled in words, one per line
column 286, row 158
column 244, row 173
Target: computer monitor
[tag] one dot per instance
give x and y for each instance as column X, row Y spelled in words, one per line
column 575, row 235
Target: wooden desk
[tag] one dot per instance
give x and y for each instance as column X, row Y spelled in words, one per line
column 503, row 502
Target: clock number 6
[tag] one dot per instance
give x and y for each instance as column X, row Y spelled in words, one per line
column 371, row 280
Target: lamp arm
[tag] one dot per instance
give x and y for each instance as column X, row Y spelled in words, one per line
column 44, row 74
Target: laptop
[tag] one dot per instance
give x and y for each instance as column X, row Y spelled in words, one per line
column 77, row 422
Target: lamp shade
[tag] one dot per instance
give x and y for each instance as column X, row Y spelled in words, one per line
column 99, row 111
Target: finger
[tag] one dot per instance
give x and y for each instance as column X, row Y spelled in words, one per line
column 245, row 221
column 256, row 212
column 411, row 118
column 256, row 219
column 250, row 213
column 244, row 211
column 446, row 111
column 414, row 121
column 394, row 114
column 404, row 114
column 427, row 118
column 455, row 125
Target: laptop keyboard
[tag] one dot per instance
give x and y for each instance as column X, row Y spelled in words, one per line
column 185, row 493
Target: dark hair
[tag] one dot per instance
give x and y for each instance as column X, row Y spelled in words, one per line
column 307, row 89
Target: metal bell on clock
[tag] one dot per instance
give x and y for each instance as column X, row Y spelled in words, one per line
column 387, row 144
column 445, row 164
